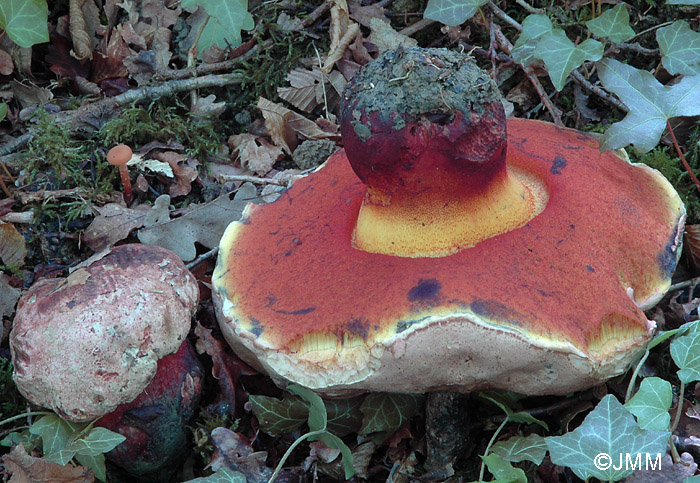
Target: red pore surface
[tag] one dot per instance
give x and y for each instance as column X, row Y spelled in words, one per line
column 609, row 225
column 154, row 424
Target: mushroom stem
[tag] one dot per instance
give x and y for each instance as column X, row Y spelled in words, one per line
column 425, row 130
column 126, row 182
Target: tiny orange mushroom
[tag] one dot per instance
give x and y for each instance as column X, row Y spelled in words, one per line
column 449, row 248
column 118, row 156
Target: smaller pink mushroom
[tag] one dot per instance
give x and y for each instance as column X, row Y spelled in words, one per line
column 118, row 156
column 86, row 344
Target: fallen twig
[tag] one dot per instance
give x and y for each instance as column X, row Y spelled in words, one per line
column 201, row 258
column 508, row 48
column 244, row 178
column 586, row 84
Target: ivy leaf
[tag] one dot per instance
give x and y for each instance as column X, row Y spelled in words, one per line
column 611, row 430
column 681, row 48
column 649, row 102
column 223, row 475
column 685, row 352
column 96, row 462
column 683, row 2
column 613, row 24
column 452, row 12
column 517, row 417
column 25, row 21
column 55, row 433
column 344, row 415
column 226, row 20
column 385, row 412
column 522, row 448
column 333, row 441
column 3, row 110
column 651, row 404
column 503, row 470
column 318, row 418
column 534, row 27
column 98, row 441
column 561, row 56
column 666, row 334
column 279, row 417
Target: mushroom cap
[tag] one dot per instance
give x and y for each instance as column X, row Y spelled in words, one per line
column 83, row 345
column 119, row 155
column 548, row 308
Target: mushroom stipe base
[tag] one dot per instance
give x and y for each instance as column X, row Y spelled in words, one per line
column 548, row 308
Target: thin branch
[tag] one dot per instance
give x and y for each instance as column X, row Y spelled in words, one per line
column 680, row 154
column 508, row 48
column 586, row 84
column 636, row 48
column 16, row 144
column 204, row 256
column 505, row 17
column 244, row 178
column 528, row 7
column 685, row 283
column 416, row 27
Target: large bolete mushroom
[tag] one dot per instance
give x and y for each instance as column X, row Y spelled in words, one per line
column 448, row 248
column 86, row 344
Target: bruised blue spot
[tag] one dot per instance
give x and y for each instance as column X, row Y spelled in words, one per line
column 426, row 290
column 257, row 328
column 590, row 269
column 558, row 165
column 668, row 257
column 359, row 328
column 296, row 312
column 496, row 311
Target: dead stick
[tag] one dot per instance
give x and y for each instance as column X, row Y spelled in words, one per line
column 586, row 84
column 508, row 48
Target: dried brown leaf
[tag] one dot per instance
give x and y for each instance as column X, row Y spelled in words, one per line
column 207, row 107
column 386, row 38
column 281, row 121
column 113, row 224
column 363, row 14
column 289, row 24
column 29, row 469
column 226, row 367
column 204, row 223
column 6, row 64
column 308, row 86
column 184, row 174
column 234, row 451
column 343, row 32
column 13, row 248
column 29, row 94
column 255, row 153
column 84, row 21
column 8, row 298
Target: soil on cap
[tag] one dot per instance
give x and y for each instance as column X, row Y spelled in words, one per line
column 415, row 82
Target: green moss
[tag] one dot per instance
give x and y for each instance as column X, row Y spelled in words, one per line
column 671, row 167
column 11, row 402
column 268, row 68
column 137, row 126
column 54, row 160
